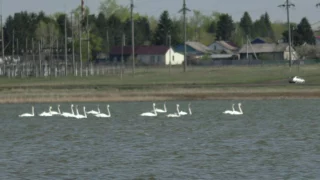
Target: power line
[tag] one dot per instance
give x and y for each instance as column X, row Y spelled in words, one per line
column 184, row 11
column 288, row 5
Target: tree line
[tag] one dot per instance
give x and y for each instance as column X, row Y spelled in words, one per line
column 25, row 31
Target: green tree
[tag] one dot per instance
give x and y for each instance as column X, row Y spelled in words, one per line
column 305, row 31
column 302, row 33
column 263, row 27
column 164, row 28
column 142, row 29
column 269, row 30
column 246, row 24
column 225, row 27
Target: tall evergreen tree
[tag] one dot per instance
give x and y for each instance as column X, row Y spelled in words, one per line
column 246, row 24
column 300, row 34
column 225, row 27
column 305, row 31
column 164, row 28
column 269, row 30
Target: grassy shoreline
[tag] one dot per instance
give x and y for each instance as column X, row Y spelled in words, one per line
column 270, row 82
column 93, row 95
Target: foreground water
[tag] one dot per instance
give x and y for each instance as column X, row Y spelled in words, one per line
column 274, row 139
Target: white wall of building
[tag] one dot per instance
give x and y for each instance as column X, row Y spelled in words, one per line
column 294, row 54
column 176, row 58
column 162, row 59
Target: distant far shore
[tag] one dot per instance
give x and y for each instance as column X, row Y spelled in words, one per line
column 157, row 84
column 162, row 94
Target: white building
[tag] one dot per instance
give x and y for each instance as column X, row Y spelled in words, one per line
column 158, row 55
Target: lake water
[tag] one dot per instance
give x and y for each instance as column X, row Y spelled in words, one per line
column 274, row 139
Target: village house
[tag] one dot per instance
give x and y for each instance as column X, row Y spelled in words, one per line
column 193, row 48
column 147, row 55
column 267, row 51
column 223, row 50
column 159, row 55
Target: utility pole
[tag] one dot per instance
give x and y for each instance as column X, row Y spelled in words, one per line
column 123, row 44
column 80, row 34
column 132, row 37
column 33, row 57
column 2, row 40
column 12, row 44
column 2, row 36
column 108, row 44
column 72, row 38
column 169, row 36
column 88, row 37
column 184, row 11
column 40, row 64
column 287, row 5
column 65, row 45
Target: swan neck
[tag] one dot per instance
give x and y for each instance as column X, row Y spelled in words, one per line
column 154, row 109
column 240, row 108
column 109, row 111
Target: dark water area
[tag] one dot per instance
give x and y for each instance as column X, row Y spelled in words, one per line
column 273, row 139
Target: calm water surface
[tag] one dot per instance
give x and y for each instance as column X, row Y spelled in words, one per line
column 274, row 139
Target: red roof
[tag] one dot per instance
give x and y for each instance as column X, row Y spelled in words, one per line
column 139, row 50
column 152, row 50
column 116, row 50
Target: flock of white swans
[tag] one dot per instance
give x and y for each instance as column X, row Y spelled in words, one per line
column 99, row 114
column 71, row 114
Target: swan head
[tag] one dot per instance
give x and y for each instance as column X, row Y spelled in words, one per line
column 178, row 105
column 71, row 105
column 108, row 105
column 239, row 104
column 154, row 104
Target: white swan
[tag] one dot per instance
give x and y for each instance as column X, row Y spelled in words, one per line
column 151, row 114
column 185, row 113
column 102, row 115
column 80, row 116
column 229, row 111
column 175, row 114
column 238, row 112
column 56, row 112
column 28, row 114
column 164, row 110
column 94, row 112
column 46, row 114
column 67, row 114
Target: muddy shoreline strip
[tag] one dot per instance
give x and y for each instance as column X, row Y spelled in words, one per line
column 116, row 95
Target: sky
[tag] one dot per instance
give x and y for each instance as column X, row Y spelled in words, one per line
column 236, row 8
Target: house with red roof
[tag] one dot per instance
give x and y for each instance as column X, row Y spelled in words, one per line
column 147, row 55
column 159, row 55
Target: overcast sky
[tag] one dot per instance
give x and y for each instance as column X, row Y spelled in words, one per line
column 304, row 8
